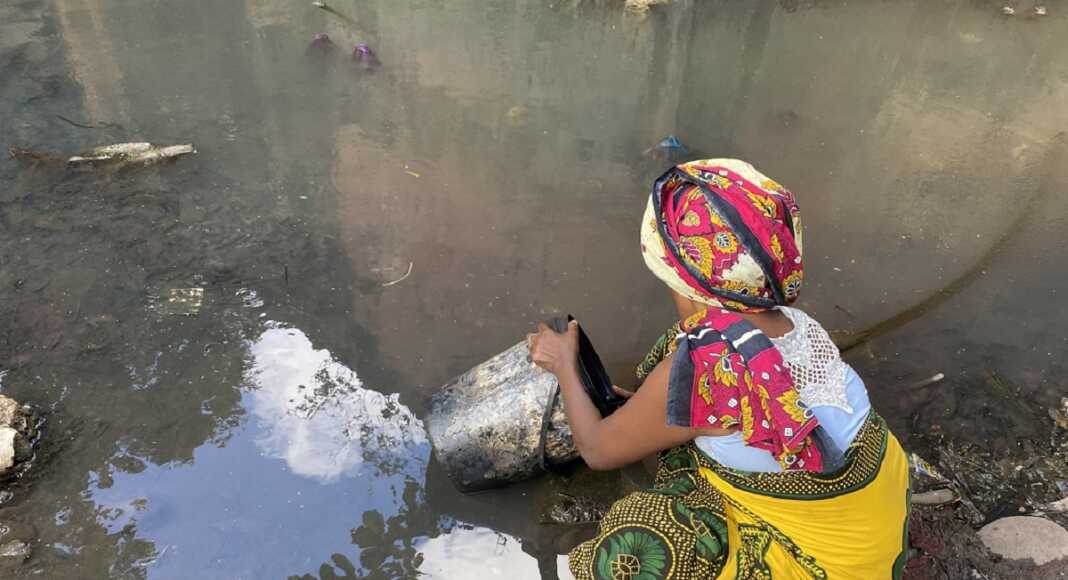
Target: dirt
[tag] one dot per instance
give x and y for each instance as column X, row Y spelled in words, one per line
column 946, row 547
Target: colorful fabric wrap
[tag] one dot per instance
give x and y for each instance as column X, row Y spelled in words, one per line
column 722, row 234
column 727, row 373
column 702, row 520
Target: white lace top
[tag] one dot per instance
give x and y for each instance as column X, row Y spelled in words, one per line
column 813, row 359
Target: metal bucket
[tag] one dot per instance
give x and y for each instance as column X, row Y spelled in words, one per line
column 503, row 421
column 500, row 422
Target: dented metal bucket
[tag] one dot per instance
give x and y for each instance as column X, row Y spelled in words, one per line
column 503, row 421
column 499, row 423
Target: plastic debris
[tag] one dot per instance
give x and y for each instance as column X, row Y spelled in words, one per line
column 928, row 381
column 668, row 149
column 1040, row 11
column 672, row 143
column 923, row 469
column 1008, row 10
column 363, row 54
column 402, row 278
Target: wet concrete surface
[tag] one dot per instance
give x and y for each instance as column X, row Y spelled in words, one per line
column 498, row 151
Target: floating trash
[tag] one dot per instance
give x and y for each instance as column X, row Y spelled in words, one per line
column 365, row 55
column 669, row 147
column 120, row 154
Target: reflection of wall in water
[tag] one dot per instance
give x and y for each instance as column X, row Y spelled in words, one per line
column 504, row 170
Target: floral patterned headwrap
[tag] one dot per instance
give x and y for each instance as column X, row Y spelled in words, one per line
column 722, row 234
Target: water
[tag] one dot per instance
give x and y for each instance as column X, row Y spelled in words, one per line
column 498, row 153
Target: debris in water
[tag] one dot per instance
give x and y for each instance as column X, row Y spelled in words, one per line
column 363, row 54
column 642, row 6
column 325, row 7
column 929, row 381
column 668, row 149
column 178, row 302
column 517, row 114
column 1008, row 11
column 1040, row 10
column 31, row 155
column 402, row 278
column 131, row 153
column 672, row 143
column 120, row 154
column 101, row 125
column 321, row 45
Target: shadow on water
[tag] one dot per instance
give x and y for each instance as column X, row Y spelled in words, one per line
column 359, row 235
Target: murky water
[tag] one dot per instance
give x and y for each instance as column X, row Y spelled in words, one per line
column 497, row 156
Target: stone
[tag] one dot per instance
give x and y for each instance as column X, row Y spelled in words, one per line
column 7, row 448
column 9, row 410
column 1026, row 538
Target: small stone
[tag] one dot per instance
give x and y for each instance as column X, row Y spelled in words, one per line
column 7, row 448
column 1014, row 538
column 9, row 410
column 934, row 497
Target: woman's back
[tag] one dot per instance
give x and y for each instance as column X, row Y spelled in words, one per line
column 827, row 385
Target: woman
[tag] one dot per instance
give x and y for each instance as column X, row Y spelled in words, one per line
column 772, row 463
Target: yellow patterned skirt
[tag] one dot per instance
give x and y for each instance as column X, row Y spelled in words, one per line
column 703, row 520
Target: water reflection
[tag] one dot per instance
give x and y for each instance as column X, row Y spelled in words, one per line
column 316, row 453
column 316, row 415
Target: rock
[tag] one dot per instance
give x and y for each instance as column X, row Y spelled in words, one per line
column 7, row 448
column 934, row 497
column 1017, row 538
column 18, row 431
column 9, row 410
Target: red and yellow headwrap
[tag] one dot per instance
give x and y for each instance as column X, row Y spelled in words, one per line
column 721, row 233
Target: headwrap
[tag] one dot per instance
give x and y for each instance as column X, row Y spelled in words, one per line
column 720, row 233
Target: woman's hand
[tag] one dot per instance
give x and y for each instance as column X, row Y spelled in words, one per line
column 553, row 351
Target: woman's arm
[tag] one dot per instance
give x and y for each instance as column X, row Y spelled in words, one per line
column 636, row 430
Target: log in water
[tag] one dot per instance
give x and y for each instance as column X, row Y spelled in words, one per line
column 486, row 425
